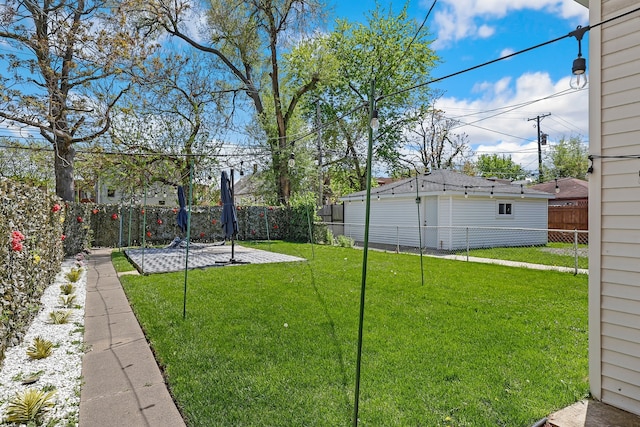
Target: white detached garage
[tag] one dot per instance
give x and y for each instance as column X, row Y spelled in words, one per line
column 454, row 210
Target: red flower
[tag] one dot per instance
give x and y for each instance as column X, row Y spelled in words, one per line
column 148, row 234
column 56, row 208
column 16, row 235
column 213, row 221
column 95, row 211
column 114, row 216
column 159, row 221
column 79, row 219
column 62, row 237
column 16, row 245
column 238, row 208
column 201, row 235
column 261, row 215
column 175, row 210
column 270, row 208
column 275, row 226
column 253, row 231
column 142, row 211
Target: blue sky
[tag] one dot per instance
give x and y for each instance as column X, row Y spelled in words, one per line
column 471, row 32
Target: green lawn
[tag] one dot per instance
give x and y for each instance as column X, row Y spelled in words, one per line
column 558, row 254
column 477, row 345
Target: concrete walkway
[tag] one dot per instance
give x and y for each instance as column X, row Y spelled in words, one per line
column 122, row 384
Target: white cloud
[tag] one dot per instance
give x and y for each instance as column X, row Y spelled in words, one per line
column 496, row 121
column 506, row 52
column 457, row 19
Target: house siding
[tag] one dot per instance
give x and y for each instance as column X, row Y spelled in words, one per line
column 615, row 131
column 452, row 222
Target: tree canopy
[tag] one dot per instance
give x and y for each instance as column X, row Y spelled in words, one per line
column 499, row 166
column 69, row 63
column 568, row 158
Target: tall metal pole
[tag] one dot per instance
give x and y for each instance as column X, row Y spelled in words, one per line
column 319, row 142
column 365, row 255
column 540, row 144
column 186, row 262
column 418, row 203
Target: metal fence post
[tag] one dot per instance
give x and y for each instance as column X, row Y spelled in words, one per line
column 575, row 249
column 467, row 229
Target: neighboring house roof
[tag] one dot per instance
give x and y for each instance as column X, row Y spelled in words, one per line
column 439, row 181
column 568, row 188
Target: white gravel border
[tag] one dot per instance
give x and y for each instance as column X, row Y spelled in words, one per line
column 62, row 370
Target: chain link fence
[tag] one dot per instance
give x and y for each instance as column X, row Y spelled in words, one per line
column 560, row 248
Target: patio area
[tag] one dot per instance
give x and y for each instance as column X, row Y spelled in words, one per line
column 165, row 260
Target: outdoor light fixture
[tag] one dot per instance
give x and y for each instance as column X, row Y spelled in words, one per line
column 579, row 77
column 378, row 196
column 292, row 160
column 375, row 123
column 557, row 188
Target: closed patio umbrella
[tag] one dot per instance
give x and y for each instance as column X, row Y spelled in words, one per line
column 229, row 220
column 182, row 217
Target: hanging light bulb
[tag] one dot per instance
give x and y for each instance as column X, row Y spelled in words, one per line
column 557, row 188
column 521, row 191
column 444, row 188
column 466, row 196
column 491, row 195
column 579, row 68
column 292, row 160
column 375, row 123
column 242, row 169
column 378, row 196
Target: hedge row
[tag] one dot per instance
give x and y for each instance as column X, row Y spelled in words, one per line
column 32, row 226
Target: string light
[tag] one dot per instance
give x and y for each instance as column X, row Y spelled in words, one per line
column 521, row 191
column 491, row 195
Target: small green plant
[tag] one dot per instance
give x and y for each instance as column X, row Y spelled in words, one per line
column 328, row 236
column 29, row 406
column 67, row 288
column 74, row 274
column 67, row 300
column 59, row 317
column 345, row 242
column 40, row 348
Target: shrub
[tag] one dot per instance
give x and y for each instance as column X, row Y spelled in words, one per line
column 29, row 406
column 74, row 274
column 67, row 300
column 67, row 288
column 345, row 242
column 59, row 317
column 40, row 348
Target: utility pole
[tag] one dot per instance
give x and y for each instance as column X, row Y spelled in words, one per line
column 542, row 140
column 319, row 142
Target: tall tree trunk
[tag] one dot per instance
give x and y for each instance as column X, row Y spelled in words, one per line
column 63, row 166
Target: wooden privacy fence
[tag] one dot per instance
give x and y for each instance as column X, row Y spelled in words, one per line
column 568, row 218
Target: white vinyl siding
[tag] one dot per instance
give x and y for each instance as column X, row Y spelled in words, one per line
column 394, row 221
column 615, row 131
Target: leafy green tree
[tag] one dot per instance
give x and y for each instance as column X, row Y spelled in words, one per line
column 392, row 52
column 68, row 65
column 434, row 144
column 26, row 162
column 499, row 166
column 248, row 39
column 569, row 158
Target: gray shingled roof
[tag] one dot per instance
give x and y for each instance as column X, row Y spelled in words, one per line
column 444, row 181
